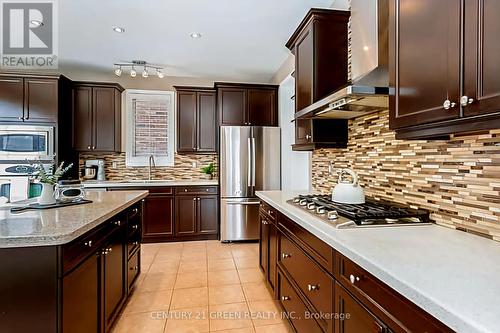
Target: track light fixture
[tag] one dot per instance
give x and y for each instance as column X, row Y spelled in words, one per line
column 139, row 63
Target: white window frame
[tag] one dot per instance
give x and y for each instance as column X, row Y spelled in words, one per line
column 141, row 161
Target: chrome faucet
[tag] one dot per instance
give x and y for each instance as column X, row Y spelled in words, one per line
column 151, row 165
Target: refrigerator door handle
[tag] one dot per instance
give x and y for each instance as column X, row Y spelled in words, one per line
column 249, row 167
column 253, row 162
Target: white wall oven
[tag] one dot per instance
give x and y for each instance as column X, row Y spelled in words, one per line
column 21, row 143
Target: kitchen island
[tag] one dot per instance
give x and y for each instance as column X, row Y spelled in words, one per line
column 447, row 274
column 69, row 269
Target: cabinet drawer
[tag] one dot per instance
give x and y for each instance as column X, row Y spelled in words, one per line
column 196, row 190
column 315, row 247
column 269, row 211
column 311, row 279
column 133, row 269
column 295, row 309
column 376, row 295
column 133, row 243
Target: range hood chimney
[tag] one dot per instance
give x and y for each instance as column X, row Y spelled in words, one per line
column 368, row 90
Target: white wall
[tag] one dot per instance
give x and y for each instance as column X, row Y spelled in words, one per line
column 295, row 166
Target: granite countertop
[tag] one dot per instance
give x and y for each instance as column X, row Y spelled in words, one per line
column 62, row 225
column 450, row 274
column 149, row 183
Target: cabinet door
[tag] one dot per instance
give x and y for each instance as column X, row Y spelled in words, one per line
column 11, row 98
column 273, row 255
column 361, row 320
column 186, row 115
column 207, row 126
column 103, row 99
column 158, row 216
column 185, row 216
column 232, row 106
column 114, row 279
column 41, row 100
column 264, row 245
column 425, row 45
column 207, row 214
column 82, row 118
column 304, row 68
column 262, row 109
column 80, row 298
column 303, row 131
column 482, row 51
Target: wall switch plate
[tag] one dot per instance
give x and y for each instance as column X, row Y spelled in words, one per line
column 194, row 165
column 114, row 165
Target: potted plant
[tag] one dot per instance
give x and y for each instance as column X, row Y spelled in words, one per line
column 48, row 178
column 208, row 171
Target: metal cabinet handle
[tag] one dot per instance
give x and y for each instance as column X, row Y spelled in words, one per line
column 89, row 243
column 185, row 190
column 135, row 226
column 135, row 268
column 135, row 210
column 465, row 100
column 449, row 104
column 136, row 243
column 308, row 137
column 264, row 222
column 89, row 147
column 118, row 223
column 285, row 255
column 312, row 287
column 354, row 279
column 285, row 298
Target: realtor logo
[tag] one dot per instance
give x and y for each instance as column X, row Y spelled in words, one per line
column 29, row 34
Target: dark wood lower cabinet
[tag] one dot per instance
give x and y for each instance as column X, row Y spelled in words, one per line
column 313, row 283
column 179, row 213
column 355, row 318
column 78, row 287
column 80, row 312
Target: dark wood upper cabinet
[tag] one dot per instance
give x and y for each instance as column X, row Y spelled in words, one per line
column 443, row 65
column 197, row 120
column 262, row 107
column 29, row 98
column 482, row 51
column 427, row 71
column 232, row 104
column 41, row 99
column 320, row 48
column 320, row 69
column 11, row 98
column 96, row 116
column 247, row 104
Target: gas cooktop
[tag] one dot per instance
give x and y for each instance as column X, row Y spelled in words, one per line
column 370, row 214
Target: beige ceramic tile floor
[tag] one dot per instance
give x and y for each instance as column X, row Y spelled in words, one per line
column 201, row 287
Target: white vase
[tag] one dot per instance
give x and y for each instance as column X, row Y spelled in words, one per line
column 47, row 196
column 208, row 176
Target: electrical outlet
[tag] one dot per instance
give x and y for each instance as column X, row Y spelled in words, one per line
column 194, row 165
column 114, row 165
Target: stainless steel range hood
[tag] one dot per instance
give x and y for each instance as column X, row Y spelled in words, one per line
column 368, row 92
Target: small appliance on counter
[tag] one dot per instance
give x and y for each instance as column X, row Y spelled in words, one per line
column 69, row 191
column 348, row 191
column 16, row 183
column 94, row 170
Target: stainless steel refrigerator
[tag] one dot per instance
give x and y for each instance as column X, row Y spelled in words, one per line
column 249, row 162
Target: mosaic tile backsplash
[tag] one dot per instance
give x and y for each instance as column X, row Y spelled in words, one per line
column 182, row 169
column 457, row 180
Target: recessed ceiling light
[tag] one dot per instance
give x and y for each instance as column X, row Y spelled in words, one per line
column 195, row 35
column 36, row 23
column 118, row 29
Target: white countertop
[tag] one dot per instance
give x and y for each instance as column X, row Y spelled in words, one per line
column 149, row 183
column 62, row 225
column 450, row 274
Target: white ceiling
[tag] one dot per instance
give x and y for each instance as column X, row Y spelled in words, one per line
column 242, row 40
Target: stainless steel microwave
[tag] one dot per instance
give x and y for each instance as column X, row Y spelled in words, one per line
column 19, row 142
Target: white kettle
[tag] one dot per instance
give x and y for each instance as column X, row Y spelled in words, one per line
column 348, row 192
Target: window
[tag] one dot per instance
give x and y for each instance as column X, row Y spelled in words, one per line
column 150, row 127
